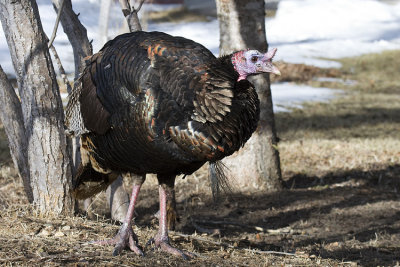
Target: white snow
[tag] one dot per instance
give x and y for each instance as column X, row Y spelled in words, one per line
column 288, row 95
column 304, row 31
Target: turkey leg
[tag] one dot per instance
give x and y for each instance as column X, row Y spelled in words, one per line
column 172, row 215
column 161, row 240
column 126, row 237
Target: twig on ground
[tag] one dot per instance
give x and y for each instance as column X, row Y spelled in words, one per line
column 223, row 244
column 201, row 229
column 14, row 259
column 223, row 223
column 285, row 230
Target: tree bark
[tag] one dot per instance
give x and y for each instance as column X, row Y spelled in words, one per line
column 105, row 6
column 131, row 14
column 118, row 199
column 242, row 26
column 42, row 110
column 11, row 116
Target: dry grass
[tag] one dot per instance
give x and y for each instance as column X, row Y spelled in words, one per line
column 301, row 73
column 31, row 240
column 359, row 130
column 180, row 14
column 375, row 73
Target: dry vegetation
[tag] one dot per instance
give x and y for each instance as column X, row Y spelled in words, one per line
column 340, row 162
column 176, row 15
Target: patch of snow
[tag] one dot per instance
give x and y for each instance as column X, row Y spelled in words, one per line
column 160, row 7
column 288, row 95
column 337, row 80
column 305, row 31
column 205, row 33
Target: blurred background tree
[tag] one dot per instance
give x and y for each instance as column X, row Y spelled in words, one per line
column 242, row 26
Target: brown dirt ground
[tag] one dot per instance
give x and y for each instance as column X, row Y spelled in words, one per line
column 340, row 208
column 349, row 219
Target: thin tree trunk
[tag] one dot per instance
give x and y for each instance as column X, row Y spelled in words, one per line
column 105, row 6
column 42, row 110
column 76, row 33
column 242, row 26
column 131, row 14
column 11, row 116
column 118, row 199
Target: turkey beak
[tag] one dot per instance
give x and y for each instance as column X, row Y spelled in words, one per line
column 275, row 70
column 268, row 66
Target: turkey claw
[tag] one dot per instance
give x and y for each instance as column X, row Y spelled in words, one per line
column 125, row 238
column 164, row 245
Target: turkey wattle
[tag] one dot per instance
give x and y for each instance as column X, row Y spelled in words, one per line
column 149, row 102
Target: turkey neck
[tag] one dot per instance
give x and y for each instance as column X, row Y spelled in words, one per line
column 234, row 128
column 237, row 126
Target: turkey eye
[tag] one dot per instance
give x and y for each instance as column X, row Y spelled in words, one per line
column 254, row 59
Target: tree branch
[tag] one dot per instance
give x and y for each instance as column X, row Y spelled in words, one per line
column 140, row 5
column 11, row 116
column 61, row 68
column 53, row 35
column 76, row 33
column 54, row 51
column 130, row 14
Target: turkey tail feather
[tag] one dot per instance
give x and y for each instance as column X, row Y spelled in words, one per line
column 89, row 182
column 218, row 179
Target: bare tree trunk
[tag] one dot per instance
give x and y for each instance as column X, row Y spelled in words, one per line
column 105, row 6
column 130, row 14
column 242, row 26
column 47, row 152
column 118, row 199
column 11, row 116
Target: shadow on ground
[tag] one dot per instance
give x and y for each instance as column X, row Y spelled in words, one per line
column 351, row 216
column 343, row 125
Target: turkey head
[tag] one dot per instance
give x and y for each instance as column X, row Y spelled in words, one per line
column 250, row 62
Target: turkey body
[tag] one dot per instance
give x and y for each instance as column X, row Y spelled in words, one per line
column 149, row 102
column 154, row 103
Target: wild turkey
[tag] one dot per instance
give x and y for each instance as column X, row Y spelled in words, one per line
column 149, row 102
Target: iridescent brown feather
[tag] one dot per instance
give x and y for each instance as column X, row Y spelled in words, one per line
column 153, row 103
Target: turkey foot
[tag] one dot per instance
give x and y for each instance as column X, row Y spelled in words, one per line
column 162, row 243
column 161, row 240
column 125, row 238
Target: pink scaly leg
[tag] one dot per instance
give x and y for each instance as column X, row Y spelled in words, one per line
column 161, row 240
column 126, row 237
